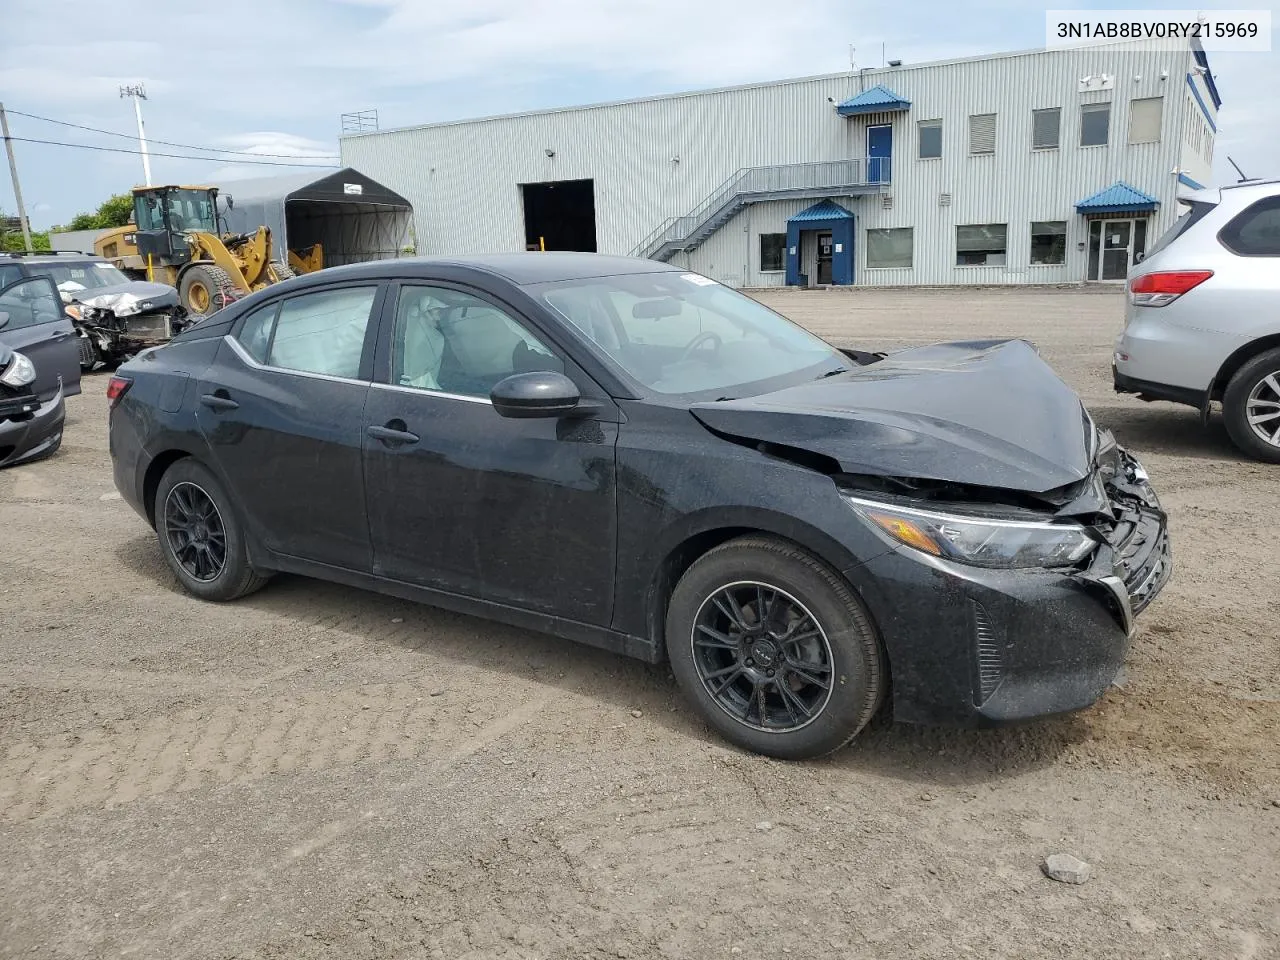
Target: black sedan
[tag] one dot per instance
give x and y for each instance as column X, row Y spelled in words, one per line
column 636, row 457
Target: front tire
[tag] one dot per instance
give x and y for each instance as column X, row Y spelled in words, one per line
column 205, row 289
column 200, row 535
column 774, row 649
column 1251, row 407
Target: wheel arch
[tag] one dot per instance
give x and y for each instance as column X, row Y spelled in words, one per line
column 699, row 534
column 1238, row 359
column 155, row 471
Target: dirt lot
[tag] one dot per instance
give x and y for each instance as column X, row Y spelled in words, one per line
column 320, row 772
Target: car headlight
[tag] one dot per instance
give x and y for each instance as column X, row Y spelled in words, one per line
column 19, row 372
column 980, row 541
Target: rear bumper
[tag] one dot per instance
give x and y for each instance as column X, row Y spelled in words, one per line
column 1148, row 390
column 1170, row 348
column 26, row 436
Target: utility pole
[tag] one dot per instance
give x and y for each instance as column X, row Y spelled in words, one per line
column 13, row 172
column 139, row 93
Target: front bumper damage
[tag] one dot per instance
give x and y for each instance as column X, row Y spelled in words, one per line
column 976, row 646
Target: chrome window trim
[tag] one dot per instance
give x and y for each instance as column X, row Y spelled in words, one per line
column 428, row 392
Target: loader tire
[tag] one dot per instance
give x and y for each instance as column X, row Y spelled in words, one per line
column 206, row 289
column 282, row 271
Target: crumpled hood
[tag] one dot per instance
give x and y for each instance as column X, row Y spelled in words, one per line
column 127, row 299
column 988, row 413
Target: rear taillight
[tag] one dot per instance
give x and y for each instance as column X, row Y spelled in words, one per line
column 117, row 387
column 1163, row 287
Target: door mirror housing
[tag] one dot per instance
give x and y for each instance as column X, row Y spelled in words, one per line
column 540, row 393
column 4, row 319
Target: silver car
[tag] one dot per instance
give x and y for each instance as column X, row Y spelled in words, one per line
column 1203, row 316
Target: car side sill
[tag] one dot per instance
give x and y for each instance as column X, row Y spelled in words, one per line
column 639, row 647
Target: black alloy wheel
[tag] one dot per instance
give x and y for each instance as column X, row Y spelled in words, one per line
column 196, row 532
column 774, row 648
column 762, row 656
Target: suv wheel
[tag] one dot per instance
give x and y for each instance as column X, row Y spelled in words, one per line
column 774, row 649
column 1251, row 407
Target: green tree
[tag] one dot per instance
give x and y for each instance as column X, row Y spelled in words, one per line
column 112, row 212
column 116, row 211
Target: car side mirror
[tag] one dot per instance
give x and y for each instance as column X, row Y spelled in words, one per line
column 540, row 393
column 4, row 319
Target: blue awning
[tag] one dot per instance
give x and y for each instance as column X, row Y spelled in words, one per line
column 822, row 210
column 1118, row 198
column 879, row 99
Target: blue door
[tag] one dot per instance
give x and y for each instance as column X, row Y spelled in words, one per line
column 879, row 153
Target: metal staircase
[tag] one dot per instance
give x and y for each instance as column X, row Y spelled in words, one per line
column 755, row 184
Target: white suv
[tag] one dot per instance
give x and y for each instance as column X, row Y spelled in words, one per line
column 1203, row 318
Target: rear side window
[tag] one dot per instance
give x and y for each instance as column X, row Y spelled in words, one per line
column 1199, row 209
column 1254, row 231
column 323, row 332
column 255, row 331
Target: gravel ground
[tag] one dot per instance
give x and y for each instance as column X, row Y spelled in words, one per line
column 320, row 772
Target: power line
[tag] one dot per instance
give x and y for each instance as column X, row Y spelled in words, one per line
column 166, row 143
column 178, row 156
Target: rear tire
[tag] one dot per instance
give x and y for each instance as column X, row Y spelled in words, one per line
column 814, row 631
column 282, row 271
column 1254, row 391
column 201, row 536
column 205, row 289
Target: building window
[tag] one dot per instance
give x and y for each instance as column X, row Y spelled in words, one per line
column 982, row 133
column 1095, row 124
column 889, row 248
column 1044, row 128
column 930, row 139
column 773, row 249
column 981, row 244
column 1049, row 241
column 1144, row 119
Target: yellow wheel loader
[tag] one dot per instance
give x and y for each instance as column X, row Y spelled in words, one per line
column 174, row 239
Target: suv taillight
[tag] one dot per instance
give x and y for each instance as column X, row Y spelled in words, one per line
column 117, row 387
column 1162, row 288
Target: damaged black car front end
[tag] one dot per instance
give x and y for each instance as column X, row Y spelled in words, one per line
column 1020, row 540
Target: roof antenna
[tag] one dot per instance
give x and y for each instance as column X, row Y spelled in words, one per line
column 1243, row 178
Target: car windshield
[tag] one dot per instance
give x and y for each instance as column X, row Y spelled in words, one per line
column 74, row 277
column 681, row 333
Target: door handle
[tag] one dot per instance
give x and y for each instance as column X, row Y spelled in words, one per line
column 392, row 436
column 218, row 402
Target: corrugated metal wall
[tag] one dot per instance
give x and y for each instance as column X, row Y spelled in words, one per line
column 463, row 178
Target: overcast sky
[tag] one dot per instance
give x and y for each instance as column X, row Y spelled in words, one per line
column 273, row 76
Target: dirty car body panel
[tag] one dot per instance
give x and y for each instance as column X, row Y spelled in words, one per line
column 34, row 327
column 580, row 526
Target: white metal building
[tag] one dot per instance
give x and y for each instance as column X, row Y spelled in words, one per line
column 1035, row 167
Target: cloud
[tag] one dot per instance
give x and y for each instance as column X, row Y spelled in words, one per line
column 278, row 84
